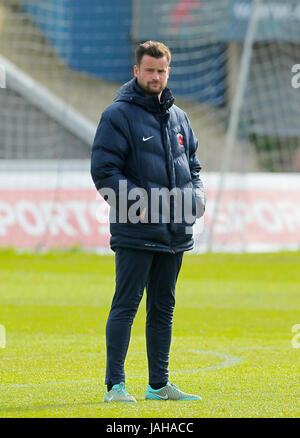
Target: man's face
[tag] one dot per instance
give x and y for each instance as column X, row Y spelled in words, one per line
column 152, row 74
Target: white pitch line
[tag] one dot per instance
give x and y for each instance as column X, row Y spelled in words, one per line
column 229, row 360
column 258, row 347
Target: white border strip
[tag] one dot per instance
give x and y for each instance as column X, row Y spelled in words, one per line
column 246, row 181
column 60, row 175
column 47, row 180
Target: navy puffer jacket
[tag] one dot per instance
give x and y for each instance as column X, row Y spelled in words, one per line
column 147, row 144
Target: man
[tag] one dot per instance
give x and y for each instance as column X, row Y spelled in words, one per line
column 144, row 145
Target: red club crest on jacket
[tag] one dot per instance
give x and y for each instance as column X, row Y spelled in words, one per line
column 180, row 139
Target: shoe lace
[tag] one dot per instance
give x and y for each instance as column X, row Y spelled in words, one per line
column 121, row 389
column 175, row 388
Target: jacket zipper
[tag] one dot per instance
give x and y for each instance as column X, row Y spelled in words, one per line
column 163, row 127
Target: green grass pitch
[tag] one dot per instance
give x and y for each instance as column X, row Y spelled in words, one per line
column 232, row 337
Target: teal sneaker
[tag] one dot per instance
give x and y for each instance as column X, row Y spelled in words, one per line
column 169, row 392
column 118, row 393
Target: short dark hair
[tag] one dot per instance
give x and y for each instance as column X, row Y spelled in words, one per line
column 155, row 49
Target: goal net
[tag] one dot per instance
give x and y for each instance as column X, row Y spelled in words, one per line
column 235, row 71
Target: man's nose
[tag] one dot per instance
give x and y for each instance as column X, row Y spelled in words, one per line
column 155, row 76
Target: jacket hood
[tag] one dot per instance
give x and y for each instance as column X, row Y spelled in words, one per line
column 131, row 92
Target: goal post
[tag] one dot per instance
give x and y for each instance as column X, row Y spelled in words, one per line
column 235, row 115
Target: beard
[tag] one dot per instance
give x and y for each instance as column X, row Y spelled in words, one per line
column 150, row 91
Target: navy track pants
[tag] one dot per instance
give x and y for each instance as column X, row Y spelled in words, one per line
column 135, row 270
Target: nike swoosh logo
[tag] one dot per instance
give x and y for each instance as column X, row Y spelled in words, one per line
column 164, row 397
column 148, row 138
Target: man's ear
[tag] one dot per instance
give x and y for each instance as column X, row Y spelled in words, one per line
column 135, row 70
